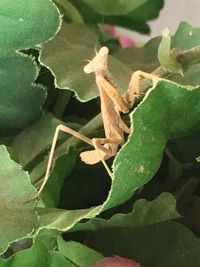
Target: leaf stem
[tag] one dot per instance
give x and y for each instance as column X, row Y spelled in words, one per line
column 188, row 56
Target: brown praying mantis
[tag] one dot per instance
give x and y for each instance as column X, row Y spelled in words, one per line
column 112, row 103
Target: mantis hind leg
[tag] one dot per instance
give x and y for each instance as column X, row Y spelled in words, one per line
column 65, row 129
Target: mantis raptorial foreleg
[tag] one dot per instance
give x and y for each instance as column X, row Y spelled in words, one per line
column 100, row 144
column 106, row 85
column 134, row 89
column 124, row 127
column 95, row 141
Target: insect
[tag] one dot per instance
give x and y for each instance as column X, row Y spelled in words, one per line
column 112, row 103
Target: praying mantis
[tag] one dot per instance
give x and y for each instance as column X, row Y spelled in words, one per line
column 112, row 103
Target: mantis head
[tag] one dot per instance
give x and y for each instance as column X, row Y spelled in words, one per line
column 99, row 63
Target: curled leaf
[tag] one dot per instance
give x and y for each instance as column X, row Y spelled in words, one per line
column 166, row 56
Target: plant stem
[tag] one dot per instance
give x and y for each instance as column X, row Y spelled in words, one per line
column 188, row 56
column 182, row 57
column 61, row 103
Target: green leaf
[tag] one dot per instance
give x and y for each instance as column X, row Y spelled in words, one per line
column 165, row 55
column 47, row 238
column 135, row 19
column 17, row 218
column 163, row 244
column 191, row 76
column 140, row 58
column 148, row 11
column 175, row 112
column 38, row 255
column 186, row 36
column 144, row 212
column 21, row 99
column 63, row 220
column 66, row 57
column 79, row 254
column 120, row 7
column 19, row 30
column 69, row 11
column 63, row 167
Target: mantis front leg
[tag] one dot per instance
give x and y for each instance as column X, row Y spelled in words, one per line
column 111, row 142
column 101, row 145
column 134, row 89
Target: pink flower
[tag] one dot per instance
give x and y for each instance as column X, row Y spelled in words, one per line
column 116, row 262
column 124, row 40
